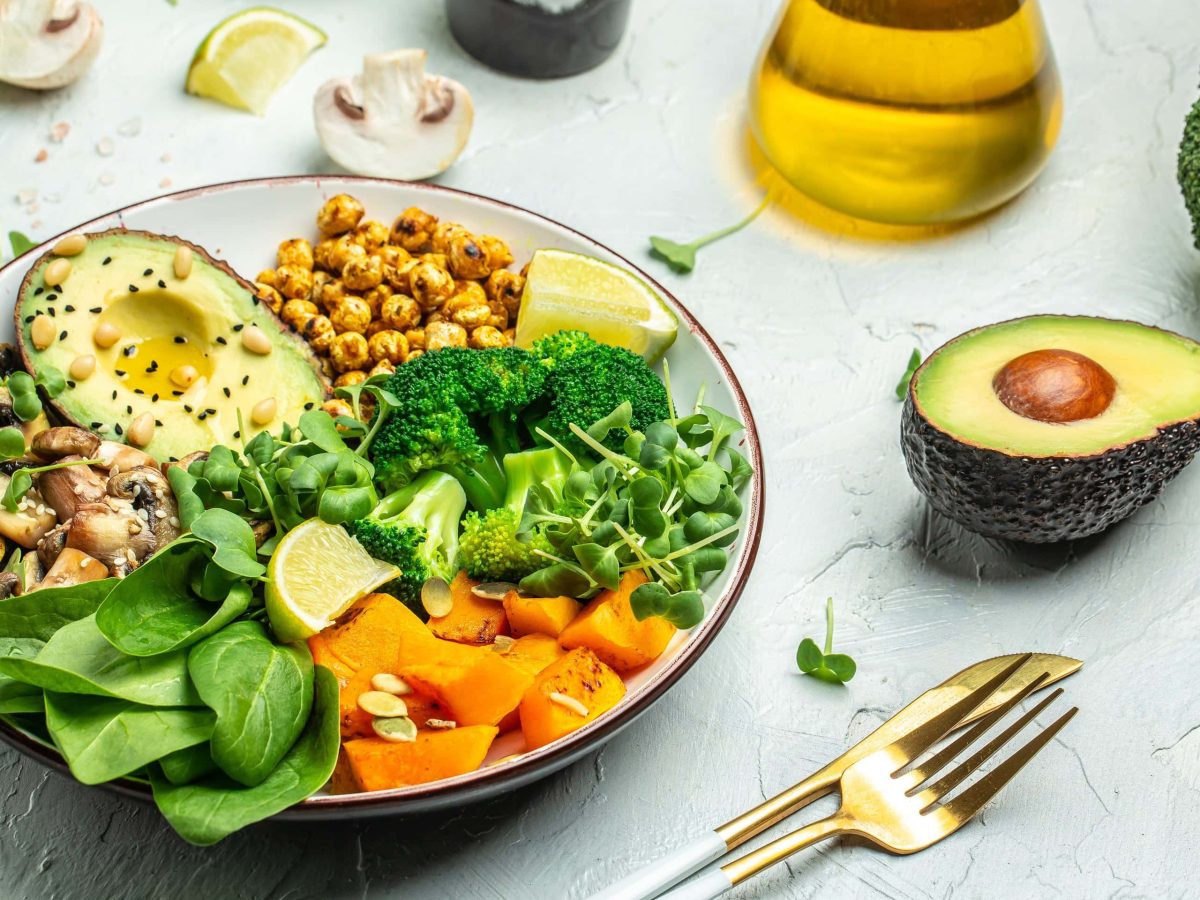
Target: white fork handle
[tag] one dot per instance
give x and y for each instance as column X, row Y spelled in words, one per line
column 654, row 878
column 709, row 885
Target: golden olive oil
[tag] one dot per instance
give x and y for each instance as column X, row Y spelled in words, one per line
column 908, row 111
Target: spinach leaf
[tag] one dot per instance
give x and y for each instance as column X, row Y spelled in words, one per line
column 186, row 765
column 215, row 807
column 262, row 693
column 79, row 660
column 18, row 697
column 40, row 614
column 153, row 610
column 102, row 739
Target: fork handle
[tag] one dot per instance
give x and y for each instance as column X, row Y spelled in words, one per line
column 655, row 877
column 718, row 881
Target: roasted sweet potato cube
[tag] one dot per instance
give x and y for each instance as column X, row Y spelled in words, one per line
column 539, row 615
column 608, row 627
column 533, row 652
column 356, row 723
column 547, row 710
column 366, row 635
column 481, row 693
column 376, row 764
column 472, row 620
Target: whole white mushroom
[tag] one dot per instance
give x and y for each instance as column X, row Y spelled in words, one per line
column 393, row 120
column 46, row 44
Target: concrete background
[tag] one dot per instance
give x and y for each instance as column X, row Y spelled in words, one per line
column 818, row 326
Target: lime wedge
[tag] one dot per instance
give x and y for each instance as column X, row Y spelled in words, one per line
column 571, row 291
column 247, row 57
column 315, row 574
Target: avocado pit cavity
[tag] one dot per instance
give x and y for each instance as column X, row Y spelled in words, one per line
column 1055, row 386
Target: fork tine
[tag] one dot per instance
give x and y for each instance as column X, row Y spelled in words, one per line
column 961, row 773
column 921, row 739
column 970, row 801
column 944, row 757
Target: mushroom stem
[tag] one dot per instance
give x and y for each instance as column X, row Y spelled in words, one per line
column 72, row 567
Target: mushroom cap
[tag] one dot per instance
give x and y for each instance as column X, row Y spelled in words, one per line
column 393, row 120
column 46, row 44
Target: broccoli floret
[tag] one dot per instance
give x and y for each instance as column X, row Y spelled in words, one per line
column 587, row 380
column 490, row 547
column 1189, row 168
column 416, row 529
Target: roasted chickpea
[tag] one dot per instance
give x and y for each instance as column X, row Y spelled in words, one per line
column 399, row 276
column 266, row 276
column 268, row 296
column 350, row 379
column 375, row 297
column 338, row 407
column 413, row 354
column 472, row 290
column 416, row 340
column 370, row 234
column 498, row 254
column 320, row 279
column 439, row 239
column 413, row 228
column 349, row 351
column 339, row 214
column 391, row 255
column 430, row 286
column 362, row 273
column 510, row 336
column 436, row 259
column 444, row 334
column 499, row 315
column 383, row 367
column 375, row 327
column 352, row 314
column 297, row 312
column 343, row 251
column 295, row 252
column 486, row 336
column 471, row 316
column 436, row 316
column 294, row 283
column 507, row 288
column 331, row 294
column 388, row 346
column 319, row 333
column 321, row 253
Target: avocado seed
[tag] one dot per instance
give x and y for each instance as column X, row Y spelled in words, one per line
column 1054, row 386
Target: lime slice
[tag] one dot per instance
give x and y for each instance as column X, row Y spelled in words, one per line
column 315, row 574
column 571, row 291
column 247, row 57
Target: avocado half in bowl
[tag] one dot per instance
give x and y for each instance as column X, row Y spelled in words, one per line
column 1049, row 427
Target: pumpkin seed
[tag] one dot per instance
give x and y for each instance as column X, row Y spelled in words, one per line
column 568, row 702
column 398, row 730
column 436, row 598
column 493, row 590
column 382, row 704
column 390, row 684
column 442, row 724
column 503, row 643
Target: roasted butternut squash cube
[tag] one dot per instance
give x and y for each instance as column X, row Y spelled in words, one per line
column 547, row 712
column 471, row 620
column 365, row 635
column 608, row 627
column 480, row 693
column 357, row 723
column 376, row 765
column 533, row 652
column 539, row 615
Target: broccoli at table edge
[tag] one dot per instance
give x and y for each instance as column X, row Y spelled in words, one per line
column 416, row 529
column 491, row 549
column 1188, row 170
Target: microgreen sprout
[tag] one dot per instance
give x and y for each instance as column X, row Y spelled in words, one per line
column 835, row 668
column 682, row 257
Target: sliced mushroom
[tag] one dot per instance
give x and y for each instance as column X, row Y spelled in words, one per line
column 116, row 457
column 10, row 584
column 65, row 440
column 262, row 528
column 46, row 44
column 32, row 520
column 113, row 533
column 72, row 567
column 393, row 120
column 69, row 488
column 52, row 543
column 147, row 489
column 30, row 572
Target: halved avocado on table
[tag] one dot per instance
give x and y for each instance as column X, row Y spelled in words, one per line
column 1049, row 427
column 179, row 352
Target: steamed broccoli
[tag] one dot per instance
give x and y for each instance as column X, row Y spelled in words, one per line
column 1188, row 170
column 587, row 380
column 416, row 529
column 490, row 547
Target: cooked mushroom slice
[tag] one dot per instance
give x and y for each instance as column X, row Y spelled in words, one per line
column 30, row 572
column 113, row 533
column 147, row 489
column 262, row 529
column 32, row 520
column 46, row 44
column 121, row 457
column 52, row 543
column 72, row 567
column 65, row 440
column 69, row 488
column 10, row 584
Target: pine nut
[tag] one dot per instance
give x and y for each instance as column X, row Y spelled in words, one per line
column 183, row 261
column 42, row 331
column 57, row 272
column 184, row 376
column 71, row 245
column 382, row 704
column 255, row 340
column 263, row 411
column 568, row 702
column 106, row 334
column 141, row 433
column 389, row 683
column 82, row 367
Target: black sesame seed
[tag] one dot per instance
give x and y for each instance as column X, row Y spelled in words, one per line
column 95, row 426
column 148, row 273
column 114, row 395
column 68, row 308
column 70, row 383
column 154, row 398
column 149, row 370
column 237, row 434
column 28, row 319
column 37, row 292
column 120, row 373
column 63, row 335
column 186, row 408
column 50, row 298
column 161, row 283
column 179, row 339
column 117, row 429
column 221, row 340
column 130, row 350
column 227, row 393
column 245, row 380
column 159, row 423
column 96, row 309
column 309, row 405
column 139, row 391
column 133, row 289
column 50, row 309
column 238, row 327
column 211, row 411
column 171, row 458
column 176, row 393
column 255, row 300
column 202, row 416
column 129, row 409
column 106, row 261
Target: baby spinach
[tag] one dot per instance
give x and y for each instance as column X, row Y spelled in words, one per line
column 18, row 697
column 214, row 807
column 186, row 765
column 262, row 693
column 40, row 614
column 102, row 739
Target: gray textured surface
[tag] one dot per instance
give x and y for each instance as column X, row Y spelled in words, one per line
column 818, row 327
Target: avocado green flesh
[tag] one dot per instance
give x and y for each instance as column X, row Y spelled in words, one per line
column 161, row 328
column 1157, row 376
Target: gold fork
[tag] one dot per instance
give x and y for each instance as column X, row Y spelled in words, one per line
column 896, row 809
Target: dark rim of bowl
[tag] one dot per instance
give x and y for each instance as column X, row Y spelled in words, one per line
column 525, row 766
